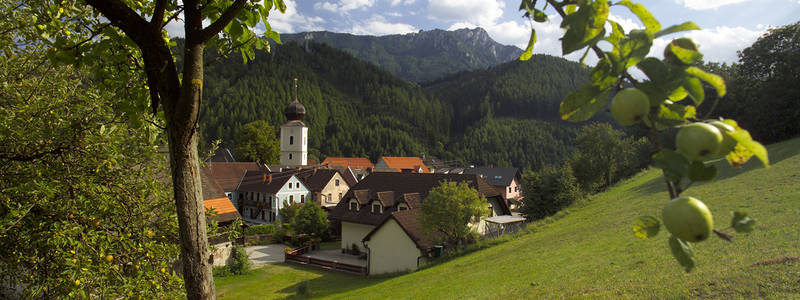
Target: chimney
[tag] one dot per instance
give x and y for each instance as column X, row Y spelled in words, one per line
column 315, row 170
column 269, row 179
column 264, row 177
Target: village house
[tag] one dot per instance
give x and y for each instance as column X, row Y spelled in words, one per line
column 327, row 186
column 217, row 205
column 261, row 195
column 400, row 164
column 507, row 181
column 369, row 203
column 229, row 174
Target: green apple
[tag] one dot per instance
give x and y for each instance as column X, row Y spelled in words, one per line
column 688, row 219
column 698, row 141
column 629, row 106
column 727, row 141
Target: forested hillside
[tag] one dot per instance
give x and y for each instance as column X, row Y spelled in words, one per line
column 353, row 107
column 419, row 56
column 504, row 116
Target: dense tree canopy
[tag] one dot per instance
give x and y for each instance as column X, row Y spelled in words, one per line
column 449, row 209
column 257, row 142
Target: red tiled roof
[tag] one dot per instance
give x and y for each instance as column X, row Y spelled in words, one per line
column 223, row 208
column 401, row 163
column 352, row 162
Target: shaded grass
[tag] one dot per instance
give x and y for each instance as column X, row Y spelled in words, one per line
column 590, row 251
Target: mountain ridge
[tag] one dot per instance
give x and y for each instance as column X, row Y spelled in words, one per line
column 419, row 56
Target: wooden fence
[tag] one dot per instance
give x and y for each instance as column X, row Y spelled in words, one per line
column 296, row 256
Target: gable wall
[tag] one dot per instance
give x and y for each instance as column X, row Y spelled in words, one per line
column 391, row 250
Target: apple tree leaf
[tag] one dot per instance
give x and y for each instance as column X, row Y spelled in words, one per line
column 745, row 148
column 682, row 252
column 650, row 23
column 646, row 227
column 695, row 90
column 529, row 51
column 677, row 28
column 584, row 27
column 582, row 104
column 700, row 172
column 741, row 222
column 714, row 80
column 674, row 165
column 685, row 55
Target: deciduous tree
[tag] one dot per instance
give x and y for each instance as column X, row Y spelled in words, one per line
column 449, row 209
column 256, row 141
column 121, row 40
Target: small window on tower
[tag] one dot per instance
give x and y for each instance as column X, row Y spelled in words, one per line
column 291, row 140
column 290, row 156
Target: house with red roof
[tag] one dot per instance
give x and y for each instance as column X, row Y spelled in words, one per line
column 401, row 164
column 356, row 163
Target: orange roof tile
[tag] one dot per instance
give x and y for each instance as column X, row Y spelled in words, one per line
column 224, row 209
column 352, row 162
column 401, row 163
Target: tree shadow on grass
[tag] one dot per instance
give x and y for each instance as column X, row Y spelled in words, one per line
column 328, row 282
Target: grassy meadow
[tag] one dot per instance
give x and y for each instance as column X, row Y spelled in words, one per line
column 589, row 250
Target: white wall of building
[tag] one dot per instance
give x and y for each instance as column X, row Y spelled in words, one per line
column 353, row 233
column 292, row 191
column 391, row 250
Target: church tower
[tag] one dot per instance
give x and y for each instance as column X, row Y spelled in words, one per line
column 294, row 134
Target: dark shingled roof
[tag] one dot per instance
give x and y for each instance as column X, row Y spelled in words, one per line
column 348, row 175
column 411, row 188
column 258, row 181
column 211, row 189
column 221, row 155
column 409, row 222
column 495, row 176
column 229, row 174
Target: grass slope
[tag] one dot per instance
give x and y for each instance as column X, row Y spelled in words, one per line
column 592, row 252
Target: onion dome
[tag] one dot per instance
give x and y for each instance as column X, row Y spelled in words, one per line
column 295, row 111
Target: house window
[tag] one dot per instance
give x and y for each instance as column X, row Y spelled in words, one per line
column 516, row 188
column 270, row 202
column 353, row 204
column 377, row 208
column 337, row 182
column 402, row 206
column 297, row 185
column 330, row 197
column 291, row 140
column 340, row 196
column 291, row 198
column 302, row 198
column 509, row 189
column 290, row 156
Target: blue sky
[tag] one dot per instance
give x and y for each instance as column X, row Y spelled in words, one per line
column 727, row 25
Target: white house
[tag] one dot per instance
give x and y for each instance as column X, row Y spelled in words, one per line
column 261, row 195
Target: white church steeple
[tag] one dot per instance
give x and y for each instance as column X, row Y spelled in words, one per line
column 294, row 134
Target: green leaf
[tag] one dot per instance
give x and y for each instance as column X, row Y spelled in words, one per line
column 673, row 114
column 674, row 165
column 685, row 55
column 650, row 23
column 678, row 94
column 582, row 104
column 646, row 227
column 603, row 75
column 617, row 33
column 584, row 27
column 539, row 16
column 714, row 80
column 682, row 252
column 677, row 28
column 529, row 50
column 745, row 148
column 635, row 48
column 695, row 90
column 654, row 69
column 741, row 222
column 700, row 172
column 571, row 9
column 280, row 5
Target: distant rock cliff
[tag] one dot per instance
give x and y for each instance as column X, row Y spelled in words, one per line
column 420, row 56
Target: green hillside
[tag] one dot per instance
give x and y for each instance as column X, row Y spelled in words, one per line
column 357, row 109
column 590, row 251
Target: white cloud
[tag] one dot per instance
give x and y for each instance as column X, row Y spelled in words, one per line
column 292, row 21
column 377, row 25
column 706, row 4
column 481, row 12
column 393, row 14
column 343, row 6
column 719, row 44
column 404, row 2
